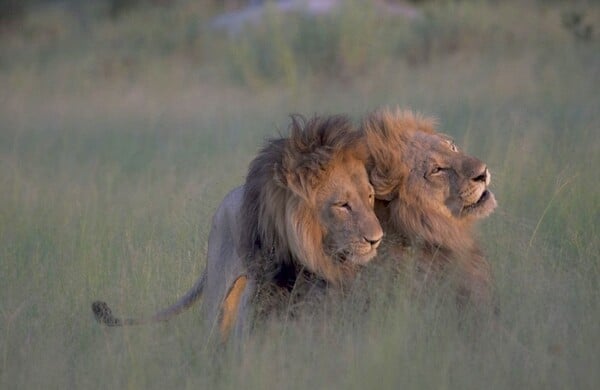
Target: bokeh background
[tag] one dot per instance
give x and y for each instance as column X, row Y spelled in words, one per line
column 123, row 123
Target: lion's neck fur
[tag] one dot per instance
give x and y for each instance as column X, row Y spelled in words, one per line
column 439, row 244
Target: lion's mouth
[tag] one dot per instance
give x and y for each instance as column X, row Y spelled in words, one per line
column 485, row 204
column 482, row 199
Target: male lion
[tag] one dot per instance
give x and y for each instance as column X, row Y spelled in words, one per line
column 306, row 207
column 429, row 194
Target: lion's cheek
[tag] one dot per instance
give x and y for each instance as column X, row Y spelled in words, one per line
column 329, row 246
column 363, row 258
column 453, row 208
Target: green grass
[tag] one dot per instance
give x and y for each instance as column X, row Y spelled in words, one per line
column 117, row 143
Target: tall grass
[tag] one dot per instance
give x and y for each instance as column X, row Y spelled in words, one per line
column 118, row 141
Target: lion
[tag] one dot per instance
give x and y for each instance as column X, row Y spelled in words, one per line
column 307, row 207
column 429, row 194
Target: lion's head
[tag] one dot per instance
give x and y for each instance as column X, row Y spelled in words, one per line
column 308, row 203
column 435, row 191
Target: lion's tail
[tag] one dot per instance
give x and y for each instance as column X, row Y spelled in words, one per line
column 104, row 314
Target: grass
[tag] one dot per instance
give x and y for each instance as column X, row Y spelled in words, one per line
column 118, row 141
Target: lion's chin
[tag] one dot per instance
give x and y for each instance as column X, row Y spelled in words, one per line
column 360, row 258
column 357, row 256
column 482, row 208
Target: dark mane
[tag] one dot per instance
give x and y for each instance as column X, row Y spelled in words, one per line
column 281, row 182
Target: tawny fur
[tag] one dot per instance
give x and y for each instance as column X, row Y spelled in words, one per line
column 413, row 201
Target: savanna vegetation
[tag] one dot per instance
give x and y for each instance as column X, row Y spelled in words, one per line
column 120, row 132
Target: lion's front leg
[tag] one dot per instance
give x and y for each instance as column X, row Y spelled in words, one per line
column 244, row 312
column 231, row 306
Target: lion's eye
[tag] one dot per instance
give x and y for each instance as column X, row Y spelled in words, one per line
column 436, row 170
column 343, row 205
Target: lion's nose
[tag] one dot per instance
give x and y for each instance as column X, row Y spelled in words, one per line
column 482, row 176
column 374, row 241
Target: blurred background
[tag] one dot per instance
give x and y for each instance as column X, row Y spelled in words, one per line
column 123, row 123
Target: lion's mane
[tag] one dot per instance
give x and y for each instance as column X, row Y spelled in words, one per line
column 441, row 242
column 281, row 233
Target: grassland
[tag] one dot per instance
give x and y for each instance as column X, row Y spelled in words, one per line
column 118, row 138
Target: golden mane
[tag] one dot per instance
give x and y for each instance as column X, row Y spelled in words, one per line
column 384, row 127
column 407, row 205
column 281, row 232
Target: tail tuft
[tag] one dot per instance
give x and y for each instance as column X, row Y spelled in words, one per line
column 104, row 315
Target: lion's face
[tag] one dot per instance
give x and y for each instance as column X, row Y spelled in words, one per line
column 441, row 178
column 344, row 206
column 428, row 189
column 331, row 225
